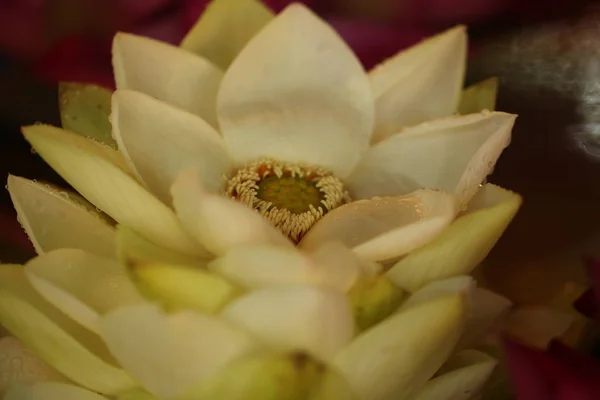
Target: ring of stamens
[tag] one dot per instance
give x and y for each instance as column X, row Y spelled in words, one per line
column 293, row 197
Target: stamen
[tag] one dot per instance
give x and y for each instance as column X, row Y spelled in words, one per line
column 292, row 197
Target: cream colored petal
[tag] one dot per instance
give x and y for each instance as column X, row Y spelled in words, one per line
column 167, row 73
column 296, row 93
column 464, row 244
column 55, row 219
column 453, row 154
column 537, row 325
column 224, row 29
column 18, row 364
column 295, row 318
column 168, row 354
column 479, row 96
column 81, row 285
column 463, row 377
column 462, row 285
column 217, row 222
column 486, row 310
column 131, row 247
column 263, row 266
column 385, row 228
column 397, row 357
column 84, row 109
column 160, row 140
column 51, row 391
column 421, row 83
column 61, row 342
column 109, row 188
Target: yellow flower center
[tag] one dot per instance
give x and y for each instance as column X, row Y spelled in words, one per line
column 292, row 197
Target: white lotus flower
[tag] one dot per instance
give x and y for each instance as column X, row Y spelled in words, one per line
column 270, row 133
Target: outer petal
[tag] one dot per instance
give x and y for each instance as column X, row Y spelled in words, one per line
column 84, row 109
column 168, row 354
column 160, row 140
column 385, row 228
column 18, row 364
column 464, row 244
column 453, row 154
column 262, row 266
column 81, row 285
column 421, row 83
column 463, row 285
column 479, row 96
column 51, row 390
column 395, row 358
column 168, row 73
column 55, row 219
column 224, row 29
column 486, row 309
column 462, row 378
column 219, row 223
column 537, row 325
column 72, row 350
column 295, row 318
column 85, row 167
column 297, row 93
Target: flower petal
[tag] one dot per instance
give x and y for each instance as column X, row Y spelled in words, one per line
column 224, row 28
column 62, row 343
column 421, row 83
column 454, row 154
column 217, row 222
column 479, row 96
column 82, row 164
column 84, row 109
column 537, row 325
column 55, row 219
column 463, row 245
column 179, row 287
column 398, row 356
column 263, row 265
column 51, row 390
column 385, row 228
column 297, row 93
column 160, row 140
column 18, row 364
column 463, row 377
column 295, row 318
column 168, row 73
column 486, row 308
column 463, row 285
column 168, row 354
column 131, row 247
column 81, row 285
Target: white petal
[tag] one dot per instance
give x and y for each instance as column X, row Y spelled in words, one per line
column 385, row 228
column 51, row 391
column 453, row 154
column 262, row 266
column 537, row 325
column 18, row 364
column 395, row 358
column 168, row 73
column 62, row 343
column 297, row 93
column 463, row 377
column 160, row 140
column 81, row 285
column 56, row 219
column 486, row 308
column 217, row 222
column 421, row 83
column 295, row 318
column 463, row 285
column 225, row 27
column 108, row 187
column 464, row 244
column 168, row 354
